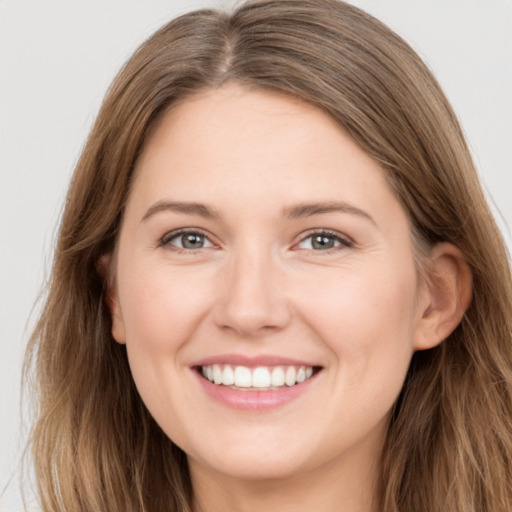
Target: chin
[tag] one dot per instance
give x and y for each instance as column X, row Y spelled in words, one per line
column 250, row 466
column 262, row 460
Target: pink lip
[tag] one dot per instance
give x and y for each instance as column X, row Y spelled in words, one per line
column 251, row 361
column 256, row 401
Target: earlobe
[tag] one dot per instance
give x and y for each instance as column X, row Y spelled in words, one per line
column 448, row 290
column 111, row 298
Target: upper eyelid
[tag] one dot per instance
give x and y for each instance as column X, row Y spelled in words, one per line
column 180, row 231
column 170, row 235
column 328, row 232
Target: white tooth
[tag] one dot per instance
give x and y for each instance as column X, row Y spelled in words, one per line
column 217, row 374
column 309, row 372
column 277, row 377
column 209, row 373
column 261, row 378
column 301, row 374
column 290, row 376
column 243, row 378
column 204, row 372
column 228, row 377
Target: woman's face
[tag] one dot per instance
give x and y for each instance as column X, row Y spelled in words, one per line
column 260, row 247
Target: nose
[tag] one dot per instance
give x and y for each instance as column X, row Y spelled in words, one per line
column 253, row 302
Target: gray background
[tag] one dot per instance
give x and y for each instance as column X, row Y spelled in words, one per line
column 56, row 61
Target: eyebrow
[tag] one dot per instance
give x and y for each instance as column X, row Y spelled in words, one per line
column 181, row 207
column 297, row 211
column 308, row 209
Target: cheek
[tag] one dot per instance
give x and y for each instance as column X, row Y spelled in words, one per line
column 163, row 306
column 366, row 318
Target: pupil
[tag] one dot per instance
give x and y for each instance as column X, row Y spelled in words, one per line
column 323, row 242
column 192, row 241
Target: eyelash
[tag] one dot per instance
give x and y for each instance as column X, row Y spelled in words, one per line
column 343, row 241
column 168, row 237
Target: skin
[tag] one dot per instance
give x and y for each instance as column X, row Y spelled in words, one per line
column 258, row 286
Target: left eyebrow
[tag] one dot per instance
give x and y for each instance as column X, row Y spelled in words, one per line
column 181, row 207
column 302, row 210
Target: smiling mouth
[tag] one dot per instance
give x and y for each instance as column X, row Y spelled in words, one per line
column 260, row 378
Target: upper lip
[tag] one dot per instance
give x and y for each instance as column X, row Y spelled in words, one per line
column 252, row 361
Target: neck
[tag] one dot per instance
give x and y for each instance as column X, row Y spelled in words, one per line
column 348, row 487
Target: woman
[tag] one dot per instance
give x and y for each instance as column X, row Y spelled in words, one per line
column 277, row 282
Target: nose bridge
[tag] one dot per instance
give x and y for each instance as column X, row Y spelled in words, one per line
column 254, row 296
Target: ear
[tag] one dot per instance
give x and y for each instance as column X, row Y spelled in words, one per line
column 446, row 295
column 104, row 269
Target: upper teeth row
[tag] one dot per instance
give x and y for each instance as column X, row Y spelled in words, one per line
column 259, row 377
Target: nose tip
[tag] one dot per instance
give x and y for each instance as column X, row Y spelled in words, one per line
column 254, row 301
column 250, row 320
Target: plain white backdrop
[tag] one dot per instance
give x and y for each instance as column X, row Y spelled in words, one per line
column 57, row 58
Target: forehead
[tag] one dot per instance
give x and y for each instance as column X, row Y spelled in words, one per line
column 245, row 148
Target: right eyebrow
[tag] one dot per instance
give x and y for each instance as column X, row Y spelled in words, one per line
column 302, row 210
column 181, row 207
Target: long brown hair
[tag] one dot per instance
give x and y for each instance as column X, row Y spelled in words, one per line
column 449, row 445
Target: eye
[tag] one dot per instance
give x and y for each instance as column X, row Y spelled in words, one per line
column 324, row 241
column 187, row 240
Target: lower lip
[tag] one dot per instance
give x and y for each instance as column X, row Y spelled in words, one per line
column 254, row 400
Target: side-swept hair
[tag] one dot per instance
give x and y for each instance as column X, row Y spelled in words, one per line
column 449, row 444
